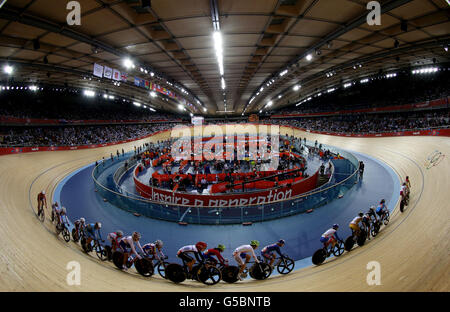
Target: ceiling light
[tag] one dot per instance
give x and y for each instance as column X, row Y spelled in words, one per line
column 153, row 94
column 296, row 88
column 128, row 63
column 137, row 104
column 180, row 107
column 223, row 83
column 8, row 69
column 89, row 93
column 309, row 57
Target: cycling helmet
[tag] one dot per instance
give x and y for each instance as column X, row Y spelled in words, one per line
column 360, row 214
column 201, row 245
column 407, row 178
column 159, row 243
column 221, row 247
column 137, row 234
column 82, row 220
column 119, row 233
column 404, row 183
column 372, row 208
column 56, row 204
column 382, row 201
column 254, row 243
column 63, row 210
column 99, row 225
column 43, row 192
column 281, row 241
column 335, row 226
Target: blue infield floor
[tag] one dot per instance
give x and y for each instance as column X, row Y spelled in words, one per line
column 301, row 232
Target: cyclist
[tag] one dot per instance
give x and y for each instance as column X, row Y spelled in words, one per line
column 372, row 214
column 54, row 207
column 329, row 236
column 210, row 253
column 366, row 222
column 92, row 231
column 114, row 238
column 154, row 250
column 42, row 200
column 268, row 251
column 127, row 242
column 242, row 253
column 408, row 183
column 354, row 224
column 196, row 249
column 80, row 224
column 404, row 191
column 382, row 209
column 61, row 217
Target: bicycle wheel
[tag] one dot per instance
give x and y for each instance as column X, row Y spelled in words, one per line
column 108, row 252
column 101, row 252
column 175, row 273
column 386, row 218
column 362, row 238
column 209, row 275
column 349, row 242
column 338, row 249
column 117, row 258
column 319, row 257
column 144, row 267
column 260, row 271
column 162, row 269
column 375, row 229
column 285, row 266
column 230, row 273
column 75, row 235
column 41, row 215
column 66, row 235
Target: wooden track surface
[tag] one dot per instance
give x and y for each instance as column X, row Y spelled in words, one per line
column 413, row 249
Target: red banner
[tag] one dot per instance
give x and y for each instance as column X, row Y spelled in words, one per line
column 34, row 121
column 226, row 200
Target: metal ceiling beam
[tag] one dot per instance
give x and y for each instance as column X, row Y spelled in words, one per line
column 14, row 16
column 366, row 59
column 356, row 23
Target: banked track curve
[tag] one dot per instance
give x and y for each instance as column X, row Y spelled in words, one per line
column 412, row 250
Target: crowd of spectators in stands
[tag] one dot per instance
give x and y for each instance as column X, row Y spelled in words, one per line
column 372, row 123
column 65, row 105
column 74, row 136
column 380, row 92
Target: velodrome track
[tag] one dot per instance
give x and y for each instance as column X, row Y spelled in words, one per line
column 413, row 249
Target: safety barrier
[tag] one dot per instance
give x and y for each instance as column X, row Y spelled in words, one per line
column 346, row 174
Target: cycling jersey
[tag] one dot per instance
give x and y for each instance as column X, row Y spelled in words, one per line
column 112, row 236
column 182, row 253
column 381, row 207
column 244, row 249
column 127, row 242
column 270, row 248
column 215, row 252
column 330, row 233
column 356, row 220
column 91, row 233
column 151, row 249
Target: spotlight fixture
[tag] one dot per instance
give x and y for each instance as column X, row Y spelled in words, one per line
column 396, row 44
column 404, row 26
column 36, row 44
column 146, row 4
column 446, row 48
column 309, row 57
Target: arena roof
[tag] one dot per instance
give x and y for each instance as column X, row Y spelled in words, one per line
column 261, row 39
